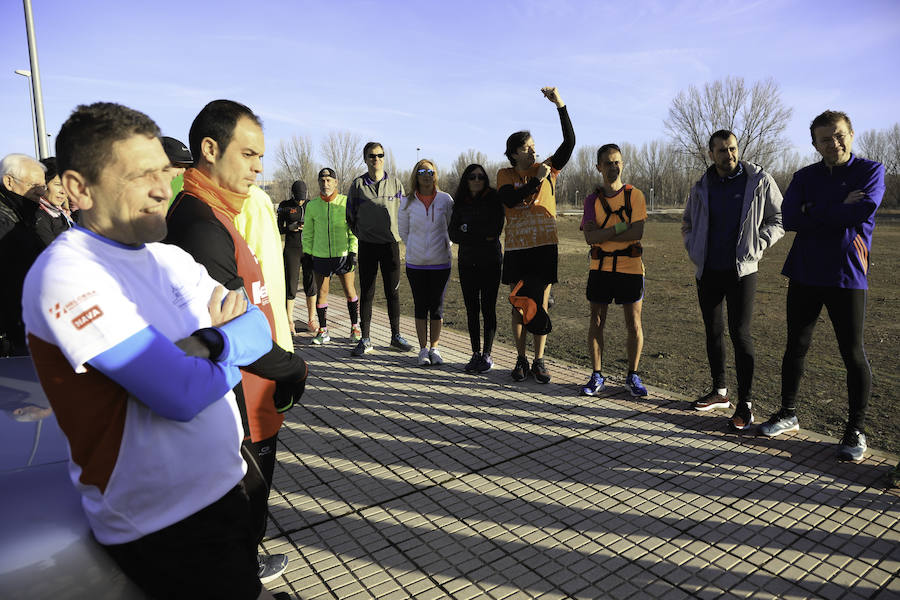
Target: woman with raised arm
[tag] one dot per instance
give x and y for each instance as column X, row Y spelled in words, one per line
column 422, row 221
column 528, row 193
column 475, row 224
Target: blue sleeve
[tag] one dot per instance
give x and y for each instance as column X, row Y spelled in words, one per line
column 247, row 338
column 792, row 218
column 842, row 216
column 156, row 372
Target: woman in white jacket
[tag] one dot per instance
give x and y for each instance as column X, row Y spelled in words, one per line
column 422, row 221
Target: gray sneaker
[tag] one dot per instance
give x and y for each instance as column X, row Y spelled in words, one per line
column 400, row 343
column 363, row 347
column 270, row 566
column 853, row 446
column 779, row 423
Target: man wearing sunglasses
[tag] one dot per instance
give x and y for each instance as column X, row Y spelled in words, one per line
column 373, row 202
column 21, row 188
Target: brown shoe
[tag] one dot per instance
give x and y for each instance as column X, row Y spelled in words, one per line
column 711, row 401
column 742, row 418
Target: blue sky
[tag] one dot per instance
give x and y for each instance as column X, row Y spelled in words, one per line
column 446, row 76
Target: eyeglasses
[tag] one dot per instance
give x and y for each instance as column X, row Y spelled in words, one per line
column 428, row 172
column 477, row 177
column 376, row 155
column 30, row 184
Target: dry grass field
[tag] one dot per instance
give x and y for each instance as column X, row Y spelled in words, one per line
column 674, row 356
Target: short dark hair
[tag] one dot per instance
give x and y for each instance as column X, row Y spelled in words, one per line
column 84, row 143
column 606, row 148
column 722, row 134
column 52, row 170
column 369, row 146
column 829, row 117
column 514, row 142
column 217, row 121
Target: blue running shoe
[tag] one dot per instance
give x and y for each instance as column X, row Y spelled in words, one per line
column 595, row 385
column 634, row 385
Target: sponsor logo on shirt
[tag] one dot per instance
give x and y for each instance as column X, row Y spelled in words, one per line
column 61, row 308
column 87, row 317
column 260, row 293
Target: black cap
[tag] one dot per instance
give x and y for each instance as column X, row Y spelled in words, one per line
column 178, row 153
column 298, row 191
column 327, row 172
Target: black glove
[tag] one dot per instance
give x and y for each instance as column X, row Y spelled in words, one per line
column 288, row 392
column 351, row 258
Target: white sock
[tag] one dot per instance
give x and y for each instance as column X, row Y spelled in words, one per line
column 722, row 392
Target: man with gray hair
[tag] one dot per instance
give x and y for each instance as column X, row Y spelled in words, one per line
column 21, row 187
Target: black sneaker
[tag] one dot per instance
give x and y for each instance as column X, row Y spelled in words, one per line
column 521, row 370
column 853, row 446
column 540, row 372
column 742, row 418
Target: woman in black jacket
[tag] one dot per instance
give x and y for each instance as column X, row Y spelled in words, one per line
column 475, row 224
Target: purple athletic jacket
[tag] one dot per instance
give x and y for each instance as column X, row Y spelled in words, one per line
column 833, row 239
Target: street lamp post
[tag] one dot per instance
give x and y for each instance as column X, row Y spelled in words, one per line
column 27, row 75
column 37, row 98
column 417, row 154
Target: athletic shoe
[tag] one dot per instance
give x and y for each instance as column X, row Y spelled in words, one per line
column 595, row 385
column 853, row 446
column 321, row 336
column 398, row 342
column 634, row 385
column 355, row 333
column 521, row 370
column 742, row 418
column 486, row 363
column 474, row 363
column 780, row 422
column 711, row 401
column 363, row 347
column 435, row 356
column 424, row 358
column 270, row 566
column 539, row 370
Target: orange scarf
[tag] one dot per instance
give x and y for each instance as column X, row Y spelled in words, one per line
column 331, row 197
column 197, row 184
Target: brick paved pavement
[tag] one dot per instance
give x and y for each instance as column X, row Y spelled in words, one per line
column 396, row 481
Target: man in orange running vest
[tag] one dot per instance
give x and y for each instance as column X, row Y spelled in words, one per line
column 613, row 225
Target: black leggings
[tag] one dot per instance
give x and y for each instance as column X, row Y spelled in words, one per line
column 293, row 260
column 387, row 256
column 428, row 287
column 847, row 311
column 480, row 283
column 714, row 289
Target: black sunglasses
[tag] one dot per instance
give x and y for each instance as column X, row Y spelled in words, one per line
column 477, row 177
column 376, row 155
column 425, row 172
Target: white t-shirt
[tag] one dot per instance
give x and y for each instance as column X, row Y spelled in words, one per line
column 137, row 471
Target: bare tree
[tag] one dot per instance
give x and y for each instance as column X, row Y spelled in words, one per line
column 882, row 145
column 755, row 114
column 342, row 151
column 294, row 161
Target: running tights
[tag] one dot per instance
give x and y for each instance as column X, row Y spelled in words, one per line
column 847, row 311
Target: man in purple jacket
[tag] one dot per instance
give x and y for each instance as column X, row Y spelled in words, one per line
column 831, row 205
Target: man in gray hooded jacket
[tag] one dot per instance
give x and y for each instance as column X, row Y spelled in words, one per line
column 732, row 216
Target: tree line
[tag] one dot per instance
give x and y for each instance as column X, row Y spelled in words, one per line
column 664, row 168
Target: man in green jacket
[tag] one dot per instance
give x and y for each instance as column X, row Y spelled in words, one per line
column 327, row 237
